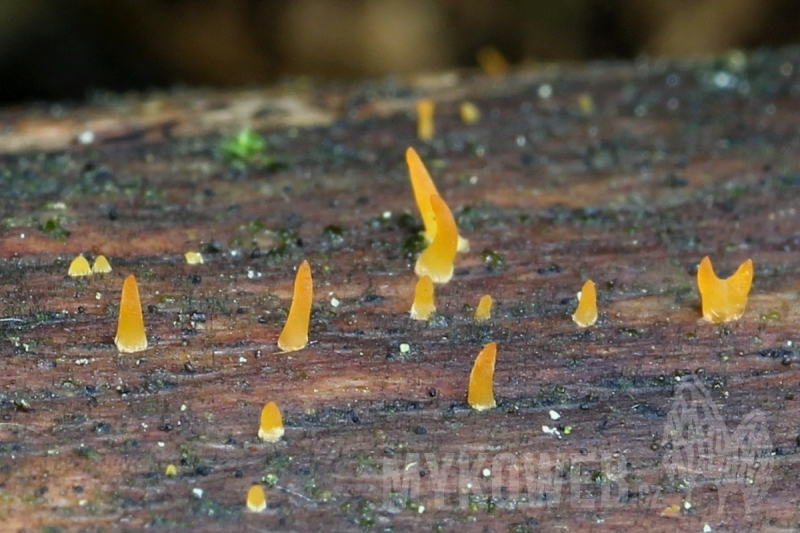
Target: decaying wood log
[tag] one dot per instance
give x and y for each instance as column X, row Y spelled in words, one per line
column 626, row 174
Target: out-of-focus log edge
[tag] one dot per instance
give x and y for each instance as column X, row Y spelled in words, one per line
column 625, row 173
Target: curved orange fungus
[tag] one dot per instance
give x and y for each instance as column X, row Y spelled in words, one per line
column 480, row 395
column 437, row 259
column 131, row 336
column 271, row 427
column 586, row 313
column 295, row 333
column 424, row 188
column 423, row 305
column 724, row 300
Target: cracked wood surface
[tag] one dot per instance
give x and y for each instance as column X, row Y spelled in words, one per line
column 627, row 174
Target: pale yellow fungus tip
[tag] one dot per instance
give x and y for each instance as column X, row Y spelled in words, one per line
column 484, row 309
column 423, row 306
column 131, row 336
column 480, row 395
column 437, row 259
column 171, row 470
column 423, row 187
column 295, row 333
column 586, row 313
column 194, row 258
column 101, row 265
column 724, row 300
column 491, row 61
column 79, row 267
column 256, row 499
column 470, row 114
column 271, row 427
column 425, row 126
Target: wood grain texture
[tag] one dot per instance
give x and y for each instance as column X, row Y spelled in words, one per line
column 667, row 162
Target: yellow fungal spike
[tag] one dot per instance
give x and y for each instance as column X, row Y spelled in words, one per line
column 171, row 471
column 131, row 336
column 724, row 300
column 484, row 309
column 425, row 128
column 481, row 390
column 585, row 104
column 423, row 305
column 271, row 428
column 101, row 265
column 193, row 258
column 295, row 333
column 470, row 114
column 492, row 61
column 256, row 499
column 586, row 313
column 437, row 259
column 79, row 267
column 423, row 187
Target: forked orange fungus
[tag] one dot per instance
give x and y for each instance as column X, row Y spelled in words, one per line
column 586, row 313
column 131, row 336
column 480, row 395
column 79, row 267
column 484, row 309
column 256, row 499
column 295, row 333
column 271, row 427
column 724, row 300
column 423, row 306
column 437, row 259
column 425, row 124
column 424, row 188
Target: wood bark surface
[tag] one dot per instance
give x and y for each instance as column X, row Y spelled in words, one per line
column 623, row 173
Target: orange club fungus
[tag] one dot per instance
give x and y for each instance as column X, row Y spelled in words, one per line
column 437, row 259
column 101, row 265
column 79, row 267
column 480, row 395
column 271, row 427
column 295, row 333
column 131, row 336
column 256, row 499
column 423, row 306
column 724, row 300
column 424, row 188
column 586, row 313
column 425, row 126
column 484, row 309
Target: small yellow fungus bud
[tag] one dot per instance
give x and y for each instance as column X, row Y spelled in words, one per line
column 193, row 258
column 423, row 187
column 491, row 61
column 481, row 394
column 256, row 499
column 271, row 428
column 470, row 114
column 585, row 104
column 131, row 336
column 423, row 305
column 586, row 313
column 724, row 300
column 295, row 333
column 425, row 128
column 484, row 309
column 171, row 471
column 101, row 265
column 79, row 267
column 437, row 259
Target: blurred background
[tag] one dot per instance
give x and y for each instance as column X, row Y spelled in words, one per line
column 54, row 49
